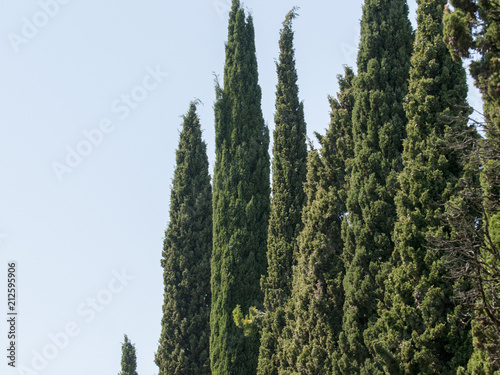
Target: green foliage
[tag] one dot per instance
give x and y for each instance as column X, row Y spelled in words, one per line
column 378, row 129
column 420, row 327
column 285, row 223
column 485, row 345
column 473, row 29
column 129, row 359
column 251, row 324
column 314, row 311
column 484, row 260
column 240, row 201
column 184, row 340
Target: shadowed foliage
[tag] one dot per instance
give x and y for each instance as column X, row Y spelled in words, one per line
column 379, row 125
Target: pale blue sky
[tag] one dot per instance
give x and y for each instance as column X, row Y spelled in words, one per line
column 73, row 232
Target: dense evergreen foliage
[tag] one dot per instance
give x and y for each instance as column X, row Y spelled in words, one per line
column 285, row 223
column 241, row 200
column 472, row 29
column 379, row 251
column 129, row 358
column 184, row 341
column 421, row 326
column 378, row 129
column 314, row 311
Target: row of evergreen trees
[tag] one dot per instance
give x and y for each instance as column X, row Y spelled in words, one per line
column 343, row 271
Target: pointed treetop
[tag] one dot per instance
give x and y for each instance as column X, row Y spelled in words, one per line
column 290, row 16
column 234, row 10
column 187, row 249
column 190, row 119
column 129, row 359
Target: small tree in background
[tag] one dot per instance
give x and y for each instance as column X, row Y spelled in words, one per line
column 129, row 359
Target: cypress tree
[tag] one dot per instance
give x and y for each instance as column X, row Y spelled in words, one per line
column 241, row 201
column 422, row 329
column 378, row 129
column 315, row 308
column 184, row 341
column 129, row 359
column 473, row 26
column 285, row 223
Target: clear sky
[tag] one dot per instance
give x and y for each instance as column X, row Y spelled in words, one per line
column 91, row 96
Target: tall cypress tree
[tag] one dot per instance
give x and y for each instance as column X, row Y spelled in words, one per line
column 422, row 330
column 184, row 341
column 315, row 308
column 289, row 175
column 378, row 129
column 473, row 26
column 241, row 201
column 129, row 359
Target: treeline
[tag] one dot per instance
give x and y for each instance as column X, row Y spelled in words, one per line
column 378, row 252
